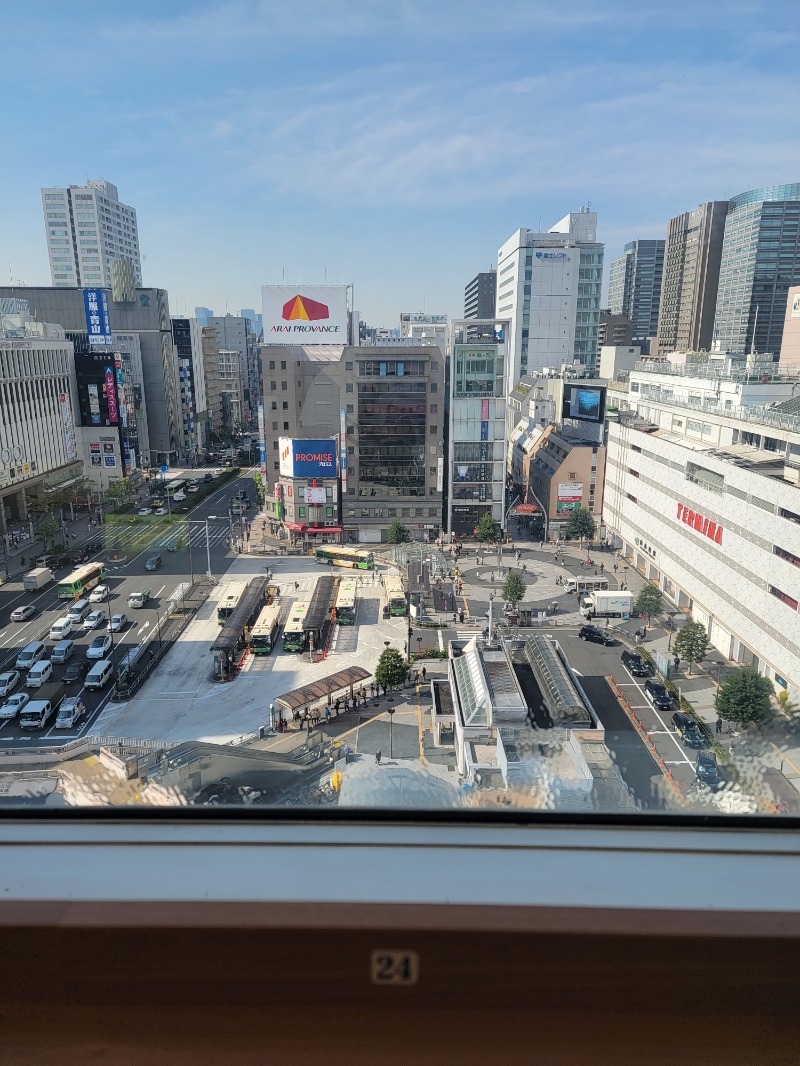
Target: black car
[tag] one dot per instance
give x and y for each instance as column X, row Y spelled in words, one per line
column 94, row 546
column 638, row 666
column 707, row 770
column 690, row 732
column 153, row 563
column 657, row 694
column 208, row 478
column 596, row 636
column 76, row 671
column 80, row 555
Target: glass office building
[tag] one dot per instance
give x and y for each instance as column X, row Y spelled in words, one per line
column 634, row 287
column 760, row 261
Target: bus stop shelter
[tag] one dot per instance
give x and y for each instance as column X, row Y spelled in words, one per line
column 322, row 689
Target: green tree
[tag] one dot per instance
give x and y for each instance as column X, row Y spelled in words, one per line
column 392, row 669
column 259, row 484
column 48, row 531
column 691, row 643
column 580, row 525
column 513, row 588
column 397, row 533
column 746, row 696
column 650, row 601
column 488, row 529
column 37, row 505
column 116, row 493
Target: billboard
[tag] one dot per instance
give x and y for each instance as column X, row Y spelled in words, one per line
column 68, row 423
column 315, row 495
column 111, row 396
column 262, row 447
column 307, row 458
column 304, row 314
column 586, row 403
column 98, row 322
column 570, row 494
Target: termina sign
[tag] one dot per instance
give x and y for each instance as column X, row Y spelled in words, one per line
column 553, row 257
column 307, row 458
column 700, row 523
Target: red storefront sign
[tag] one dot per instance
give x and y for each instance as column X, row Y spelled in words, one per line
column 703, row 525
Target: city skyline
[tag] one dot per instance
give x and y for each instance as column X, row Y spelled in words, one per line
column 350, row 138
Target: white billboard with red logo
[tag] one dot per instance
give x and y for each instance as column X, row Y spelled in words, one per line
column 304, row 314
column 570, row 494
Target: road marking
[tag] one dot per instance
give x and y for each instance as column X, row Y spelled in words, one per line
column 142, row 628
column 161, row 590
column 648, row 707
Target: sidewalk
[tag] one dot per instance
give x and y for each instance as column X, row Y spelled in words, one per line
column 20, row 559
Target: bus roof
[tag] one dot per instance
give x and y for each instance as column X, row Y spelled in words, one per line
column 268, row 617
column 297, row 615
column 87, row 570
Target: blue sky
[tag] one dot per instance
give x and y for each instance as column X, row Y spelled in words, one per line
column 394, row 144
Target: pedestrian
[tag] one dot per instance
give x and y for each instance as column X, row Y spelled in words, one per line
column 563, row 562
column 424, row 673
column 677, row 662
column 336, row 706
column 615, row 568
column 602, row 568
column 719, row 725
column 378, row 756
column 296, row 585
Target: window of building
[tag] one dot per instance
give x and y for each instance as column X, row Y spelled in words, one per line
column 782, row 553
column 406, row 512
column 348, row 387
column 633, row 499
column 284, row 386
column 432, row 512
column 276, row 465
column 432, row 471
column 351, row 450
column 348, row 367
column 274, row 405
column 283, row 364
column 365, row 512
column 272, row 364
column 392, row 512
column 434, row 409
column 433, row 430
column 275, row 426
column 351, row 492
column 783, row 597
column 275, row 445
column 434, row 387
column 273, row 385
column 285, row 405
column 419, row 512
column 301, row 511
column 285, row 425
column 349, row 408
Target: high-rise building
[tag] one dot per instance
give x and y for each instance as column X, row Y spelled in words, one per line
column 548, row 285
column 613, row 329
column 254, row 319
column 88, row 229
column 790, row 345
column 424, row 328
column 187, row 335
column 235, row 333
column 634, row 287
column 202, row 314
column 480, row 295
column 760, row 261
column 210, row 345
column 692, row 256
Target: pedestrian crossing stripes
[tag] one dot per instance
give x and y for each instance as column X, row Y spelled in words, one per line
column 132, row 537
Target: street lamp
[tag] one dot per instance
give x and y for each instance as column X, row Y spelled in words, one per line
column 210, row 518
column 390, row 711
column 671, row 616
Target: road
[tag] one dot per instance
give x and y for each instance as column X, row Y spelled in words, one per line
column 133, row 544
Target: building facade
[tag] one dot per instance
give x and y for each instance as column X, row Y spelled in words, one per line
column 210, row 346
column 790, row 345
column 692, row 257
column 388, row 409
column 422, row 328
column 760, row 261
column 88, row 229
column 634, row 287
column 188, row 339
column 476, row 439
column 230, row 378
column 480, row 295
column 548, row 286
column 235, row 333
column 703, row 496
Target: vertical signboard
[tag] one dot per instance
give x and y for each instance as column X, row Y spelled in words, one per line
column 98, row 321
column 111, row 396
column 94, row 404
column 439, row 475
column 570, row 494
column 343, row 448
column 68, row 423
column 262, row 446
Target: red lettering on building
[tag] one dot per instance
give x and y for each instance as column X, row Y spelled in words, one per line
column 705, row 526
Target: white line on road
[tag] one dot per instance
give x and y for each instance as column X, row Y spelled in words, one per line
column 648, row 707
column 161, row 590
column 142, row 628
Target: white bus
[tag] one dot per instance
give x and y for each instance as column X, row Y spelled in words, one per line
column 395, row 597
column 229, row 600
column 264, row 634
column 294, row 632
column 346, row 603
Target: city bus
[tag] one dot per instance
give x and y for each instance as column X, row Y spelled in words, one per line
column 395, row 597
column 346, row 603
column 294, row 632
column 229, row 600
column 171, row 487
column 356, row 558
column 264, row 634
column 81, row 580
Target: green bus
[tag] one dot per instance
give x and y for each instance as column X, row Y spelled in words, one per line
column 294, row 632
column 264, row 634
column 346, row 603
column 81, row 581
column 355, row 558
column 395, row 597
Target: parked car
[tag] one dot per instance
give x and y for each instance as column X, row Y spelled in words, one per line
column 596, row 636
column 658, row 694
column 636, row 664
column 9, row 680
column 208, row 478
column 99, row 594
column 22, row 614
column 161, row 511
column 689, row 730
column 99, row 646
column 118, row 622
column 153, row 563
column 179, row 497
column 13, row 705
column 192, row 488
column 76, row 672
column 144, row 511
column 94, row 620
column 70, row 712
column 706, row 769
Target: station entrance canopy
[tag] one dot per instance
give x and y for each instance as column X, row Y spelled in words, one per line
column 326, row 686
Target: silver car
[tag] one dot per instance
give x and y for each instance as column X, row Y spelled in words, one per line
column 8, row 682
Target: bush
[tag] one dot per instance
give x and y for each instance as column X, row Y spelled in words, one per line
column 429, row 653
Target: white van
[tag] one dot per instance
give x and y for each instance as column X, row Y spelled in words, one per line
column 100, row 674
column 30, row 654
column 62, row 651
column 39, row 674
column 79, row 610
column 61, row 628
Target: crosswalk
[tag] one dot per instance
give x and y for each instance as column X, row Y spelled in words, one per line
column 139, row 538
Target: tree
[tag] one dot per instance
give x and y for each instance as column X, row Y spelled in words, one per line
column 746, row 696
column 397, row 533
column 116, row 492
column 580, row 525
column 392, row 669
column 513, row 588
column 488, row 529
column 48, row 530
column 691, row 643
column 650, row 601
column 259, row 484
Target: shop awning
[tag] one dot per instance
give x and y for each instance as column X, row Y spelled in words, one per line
column 296, row 527
column 322, row 529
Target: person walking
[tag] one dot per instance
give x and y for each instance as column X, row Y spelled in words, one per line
column 719, row 725
column 615, row 568
column 424, row 673
column 378, row 756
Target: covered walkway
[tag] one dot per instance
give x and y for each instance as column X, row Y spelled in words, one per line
column 322, row 689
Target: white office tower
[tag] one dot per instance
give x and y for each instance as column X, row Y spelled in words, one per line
column 92, row 238
column 548, row 285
